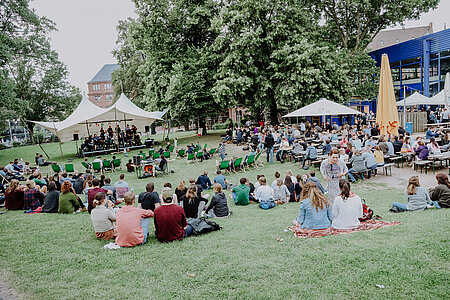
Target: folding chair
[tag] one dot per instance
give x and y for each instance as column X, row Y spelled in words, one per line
column 225, row 165
column 69, row 168
column 85, row 165
column 56, row 168
column 237, row 164
column 181, row 152
column 190, row 158
column 166, row 154
column 97, row 167
column 156, row 155
column 107, row 165
column 171, row 148
column 199, row 155
column 116, row 163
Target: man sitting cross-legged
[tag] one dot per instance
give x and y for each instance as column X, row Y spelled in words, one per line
column 132, row 223
column 170, row 220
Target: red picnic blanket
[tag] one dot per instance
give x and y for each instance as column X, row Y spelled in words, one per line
column 368, row 225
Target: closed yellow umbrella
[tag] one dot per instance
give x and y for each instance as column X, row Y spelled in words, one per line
column 387, row 115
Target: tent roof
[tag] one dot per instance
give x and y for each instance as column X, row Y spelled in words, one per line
column 438, row 99
column 415, row 99
column 323, row 107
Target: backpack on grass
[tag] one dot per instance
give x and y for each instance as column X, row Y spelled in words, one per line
column 367, row 212
column 202, row 225
column 267, row 204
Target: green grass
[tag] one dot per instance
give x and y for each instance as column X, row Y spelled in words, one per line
column 48, row 256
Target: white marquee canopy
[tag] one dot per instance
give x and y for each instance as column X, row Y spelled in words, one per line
column 415, row 99
column 323, row 107
column 85, row 118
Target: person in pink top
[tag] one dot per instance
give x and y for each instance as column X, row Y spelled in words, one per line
column 132, row 223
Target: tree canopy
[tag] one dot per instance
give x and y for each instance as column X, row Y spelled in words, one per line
column 200, row 57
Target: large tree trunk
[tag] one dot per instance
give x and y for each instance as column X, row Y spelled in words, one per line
column 273, row 112
column 203, row 126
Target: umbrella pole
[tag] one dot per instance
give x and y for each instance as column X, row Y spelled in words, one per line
column 404, row 107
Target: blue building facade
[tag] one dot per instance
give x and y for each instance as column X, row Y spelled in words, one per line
column 419, row 64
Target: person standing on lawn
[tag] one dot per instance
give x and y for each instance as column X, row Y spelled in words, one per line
column 333, row 169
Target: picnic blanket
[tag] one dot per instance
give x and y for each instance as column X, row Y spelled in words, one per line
column 364, row 226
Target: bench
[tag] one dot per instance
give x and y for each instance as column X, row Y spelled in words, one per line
column 386, row 168
column 396, row 160
column 422, row 164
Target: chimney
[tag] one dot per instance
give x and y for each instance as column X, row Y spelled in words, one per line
column 430, row 27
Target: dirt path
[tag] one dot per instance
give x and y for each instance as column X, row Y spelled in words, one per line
column 6, row 292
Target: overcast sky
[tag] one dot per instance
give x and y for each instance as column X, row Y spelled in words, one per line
column 87, row 31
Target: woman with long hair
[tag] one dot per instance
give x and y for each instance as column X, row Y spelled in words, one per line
column 315, row 210
column 333, row 169
column 441, row 193
column 102, row 217
column 291, row 188
column 181, row 190
column 280, row 193
column 68, row 202
column 433, row 147
column 347, row 208
column 417, row 198
column 14, row 195
column 190, row 202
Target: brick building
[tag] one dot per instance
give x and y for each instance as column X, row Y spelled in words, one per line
column 100, row 89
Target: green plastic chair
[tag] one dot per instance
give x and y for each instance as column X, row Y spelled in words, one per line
column 196, row 149
column 116, row 163
column 199, row 155
column 96, row 167
column 171, row 148
column 166, row 154
column 212, row 151
column 190, row 158
column 204, row 147
column 224, row 165
column 69, row 168
column 107, row 165
column 237, row 164
column 181, row 152
column 250, row 161
column 85, row 165
column 150, row 153
column 256, row 159
column 156, row 155
column 56, row 168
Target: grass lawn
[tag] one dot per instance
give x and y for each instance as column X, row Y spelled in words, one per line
column 50, row 256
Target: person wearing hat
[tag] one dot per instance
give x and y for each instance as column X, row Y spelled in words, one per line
column 170, row 220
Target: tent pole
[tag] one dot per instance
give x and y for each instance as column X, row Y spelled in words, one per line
column 404, row 106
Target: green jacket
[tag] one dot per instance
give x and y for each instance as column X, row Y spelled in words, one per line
column 67, row 203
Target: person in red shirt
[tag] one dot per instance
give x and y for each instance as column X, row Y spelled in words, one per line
column 92, row 192
column 170, row 220
column 132, row 223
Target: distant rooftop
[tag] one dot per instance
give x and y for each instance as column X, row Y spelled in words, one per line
column 105, row 73
column 388, row 38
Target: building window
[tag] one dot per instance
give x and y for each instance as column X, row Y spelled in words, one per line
column 109, row 97
column 97, row 98
column 108, row 86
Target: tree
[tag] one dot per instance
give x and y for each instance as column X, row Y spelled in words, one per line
column 273, row 57
column 34, row 82
column 168, row 49
column 354, row 23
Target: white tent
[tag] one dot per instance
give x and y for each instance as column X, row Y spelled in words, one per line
column 323, row 107
column 84, row 120
column 438, row 99
column 414, row 99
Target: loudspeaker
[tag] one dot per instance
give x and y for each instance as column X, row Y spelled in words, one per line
column 147, row 128
column 137, row 159
column 75, row 137
column 148, row 143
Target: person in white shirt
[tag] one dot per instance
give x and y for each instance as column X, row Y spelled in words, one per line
column 99, row 159
column 274, row 183
column 347, row 208
column 264, row 192
column 293, row 178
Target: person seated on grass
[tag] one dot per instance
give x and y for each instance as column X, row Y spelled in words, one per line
column 441, row 193
column 290, row 174
column 109, row 187
column 191, row 202
column 241, row 193
column 280, row 193
column 417, row 198
column 102, row 217
column 181, row 190
column 220, row 179
column 204, row 181
column 218, row 206
column 166, row 189
column 312, row 177
column 149, row 200
column 130, row 166
column 170, row 221
column 315, row 211
column 422, row 151
column 203, row 197
column 38, row 179
column 274, row 183
column 92, row 192
column 263, row 192
column 132, row 223
column 291, row 188
column 51, row 200
column 347, row 208
column 121, row 186
column 68, row 202
column 78, row 185
column 358, row 166
column 14, row 195
column 33, row 197
column 251, row 196
column 42, row 162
